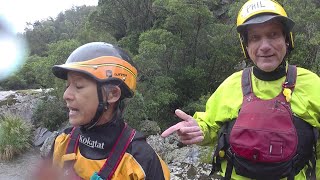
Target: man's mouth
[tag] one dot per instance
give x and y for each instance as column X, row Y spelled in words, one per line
column 267, row 56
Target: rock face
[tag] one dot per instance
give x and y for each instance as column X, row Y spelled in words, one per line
column 185, row 162
column 47, row 144
column 150, row 128
column 21, row 103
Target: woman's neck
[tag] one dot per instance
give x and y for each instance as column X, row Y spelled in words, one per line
column 108, row 115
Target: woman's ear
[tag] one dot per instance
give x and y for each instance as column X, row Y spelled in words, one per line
column 113, row 94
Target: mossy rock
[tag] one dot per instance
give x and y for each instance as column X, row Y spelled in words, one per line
column 9, row 101
column 206, row 154
column 29, row 92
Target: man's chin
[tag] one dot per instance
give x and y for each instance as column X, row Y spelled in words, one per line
column 267, row 67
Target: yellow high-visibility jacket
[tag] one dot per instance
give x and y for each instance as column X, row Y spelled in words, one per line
column 225, row 102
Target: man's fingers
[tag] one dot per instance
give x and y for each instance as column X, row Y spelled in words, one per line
column 193, row 141
column 190, row 135
column 182, row 115
column 190, row 129
column 172, row 129
column 185, row 126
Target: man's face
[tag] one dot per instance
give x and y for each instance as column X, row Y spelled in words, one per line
column 266, row 45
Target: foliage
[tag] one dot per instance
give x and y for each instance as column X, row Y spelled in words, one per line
column 306, row 15
column 15, row 136
column 65, row 26
column 120, row 18
column 87, row 34
column 158, row 96
column 199, row 105
column 50, row 113
column 135, row 112
column 15, row 81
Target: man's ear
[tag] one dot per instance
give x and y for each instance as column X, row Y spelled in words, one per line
column 114, row 94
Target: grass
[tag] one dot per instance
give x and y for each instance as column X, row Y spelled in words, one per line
column 15, row 136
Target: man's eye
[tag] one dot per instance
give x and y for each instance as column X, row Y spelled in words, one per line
column 274, row 34
column 253, row 38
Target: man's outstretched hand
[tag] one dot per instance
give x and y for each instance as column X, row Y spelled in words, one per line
column 188, row 129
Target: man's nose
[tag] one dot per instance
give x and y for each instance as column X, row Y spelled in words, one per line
column 265, row 44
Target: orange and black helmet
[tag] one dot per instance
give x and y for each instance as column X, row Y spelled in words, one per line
column 103, row 62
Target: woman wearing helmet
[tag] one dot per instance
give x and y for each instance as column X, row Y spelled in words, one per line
column 100, row 145
column 264, row 119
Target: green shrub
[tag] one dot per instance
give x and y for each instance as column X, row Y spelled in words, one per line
column 134, row 111
column 50, row 113
column 15, row 136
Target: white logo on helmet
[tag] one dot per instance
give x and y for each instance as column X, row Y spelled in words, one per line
column 255, row 6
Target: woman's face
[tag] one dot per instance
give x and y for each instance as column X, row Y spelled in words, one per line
column 81, row 98
column 266, row 45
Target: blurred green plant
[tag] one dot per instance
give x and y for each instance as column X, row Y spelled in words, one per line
column 134, row 111
column 15, row 136
column 50, row 113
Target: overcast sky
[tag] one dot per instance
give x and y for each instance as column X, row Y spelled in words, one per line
column 18, row 12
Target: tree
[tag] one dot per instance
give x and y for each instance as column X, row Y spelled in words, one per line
column 306, row 15
column 64, row 27
column 122, row 17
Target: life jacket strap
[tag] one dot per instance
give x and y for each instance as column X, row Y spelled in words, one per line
column 72, row 148
column 117, row 152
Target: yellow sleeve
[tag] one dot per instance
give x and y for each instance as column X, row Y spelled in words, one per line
column 222, row 106
column 60, row 148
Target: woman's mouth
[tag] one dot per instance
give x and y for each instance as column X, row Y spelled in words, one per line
column 73, row 111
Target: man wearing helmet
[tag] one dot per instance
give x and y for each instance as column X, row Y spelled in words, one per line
column 100, row 145
column 264, row 119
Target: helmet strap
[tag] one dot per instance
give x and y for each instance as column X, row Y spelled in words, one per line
column 102, row 106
